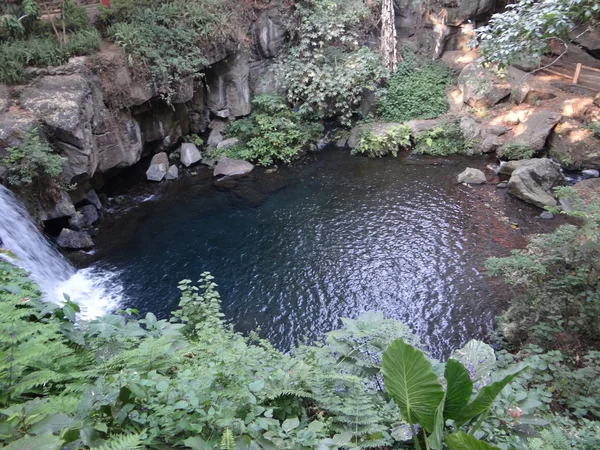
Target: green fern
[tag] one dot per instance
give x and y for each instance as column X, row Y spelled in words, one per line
column 227, row 441
column 122, row 442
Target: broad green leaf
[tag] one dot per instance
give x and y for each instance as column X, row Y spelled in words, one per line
column 51, row 424
column 459, row 389
column 411, row 382
column 477, row 357
column 41, row 442
column 195, row 443
column 463, row 441
column 437, row 437
column 484, row 400
column 290, row 424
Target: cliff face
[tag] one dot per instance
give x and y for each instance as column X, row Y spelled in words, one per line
column 101, row 117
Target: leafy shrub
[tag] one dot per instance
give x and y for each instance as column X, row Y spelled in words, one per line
column 166, row 38
column 595, row 127
column 517, row 151
column 272, row 133
column 526, row 28
column 559, row 276
column 415, row 91
column 43, row 52
column 326, row 70
column 33, row 161
column 376, row 145
column 444, row 140
column 75, row 17
column 17, row 17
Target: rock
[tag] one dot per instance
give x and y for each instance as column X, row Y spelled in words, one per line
column 76, row 221
column 232, row 167
column 61, row 207
column 214, row 139
column 219, row 125
column 93, row 198
column 74, row 240
column 472, row 176
column 534, row 131
column 269, row 34
column 227, row 143
column 502, row 185
column 588, row 190
column 470, row 128
column 4, row 98
column 90, row 215
column 575, row 146
column 480, row 87
column 588, row 38
column 164, row 121
column 526, row 88
column 533, row 180
column 226, row 183
column 189, row 154
column 546, row 215
column 208, row 161
column 185, row 90
column 172, row 173
column 490, row 144
column 228, row 88
column 158, row 167
column 497, row 130
column 419, row 125
column 590, row 173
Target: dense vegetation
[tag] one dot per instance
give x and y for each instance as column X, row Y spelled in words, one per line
column 273, row 132
column 123, row 382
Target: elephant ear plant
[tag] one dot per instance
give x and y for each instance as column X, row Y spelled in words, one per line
column 423, row 401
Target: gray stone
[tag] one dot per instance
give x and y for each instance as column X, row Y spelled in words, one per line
column 93, row 198
column 534, row 131
column 228, row 87
column 575, row 146
column 526, row 88
column 219, row 125
column 471, row 176
column 227, row 143
column 185, row 90
column 590, row 173
column 480, row 87
column 61, row 207
column 269, row 34
column 214, row 139
column 419, row 125
column 232, row 167
column 502, row 185
column 158, row 167
column 490, row 144
column 470, row 128
column 76, row 221
column 498, row 130
column 533, row 180
column 172, row 173
column 209, row 161
column 547, row 215
column 74, row 240
column 189, row 154
column 90, row 215
column 4, row 98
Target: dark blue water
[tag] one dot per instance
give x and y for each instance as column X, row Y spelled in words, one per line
column 294, row 251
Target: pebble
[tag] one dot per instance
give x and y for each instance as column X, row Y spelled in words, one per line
column 502, row 185
column 546, row 215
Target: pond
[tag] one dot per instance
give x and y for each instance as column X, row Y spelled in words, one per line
column 295, row 250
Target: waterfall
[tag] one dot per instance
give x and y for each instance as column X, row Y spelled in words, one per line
column 93, row 290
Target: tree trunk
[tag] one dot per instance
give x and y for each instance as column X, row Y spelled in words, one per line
column 388, row 44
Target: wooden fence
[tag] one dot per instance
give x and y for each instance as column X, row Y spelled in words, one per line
column 588, row 77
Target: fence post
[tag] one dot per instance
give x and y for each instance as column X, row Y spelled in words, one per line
column 577, row 72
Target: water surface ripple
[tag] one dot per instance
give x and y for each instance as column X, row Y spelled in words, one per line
column 294, row 251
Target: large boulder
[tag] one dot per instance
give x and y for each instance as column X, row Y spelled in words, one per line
column 532, row 180
column 269, row 33
column 480, row 87
column 471, row 176
column 575, row 146
column 533, row 132
column 159, row 166
column 232, row 167
column 227, row 143
column 189, row 154
column 228, row 88
column 526, row 88
column 118, row 140
column 59, row 207
column 89, row 214
column 74, row 240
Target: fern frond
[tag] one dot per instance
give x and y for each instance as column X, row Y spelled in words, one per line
column 122, row 442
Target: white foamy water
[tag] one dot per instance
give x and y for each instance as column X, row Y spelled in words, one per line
column 93, row 290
